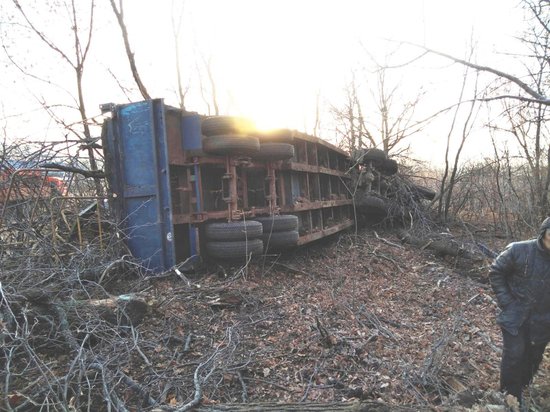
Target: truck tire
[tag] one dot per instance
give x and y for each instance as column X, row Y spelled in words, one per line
column 280, row 223
column 231, row 145
column 235, row 249
column 374, row 154
column 242, row 230
column 280, row 240
column 371, row 204
column 274, row 151
column 389, row 167
column 220, row 125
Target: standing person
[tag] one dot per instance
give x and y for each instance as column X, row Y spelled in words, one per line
column 520, row 277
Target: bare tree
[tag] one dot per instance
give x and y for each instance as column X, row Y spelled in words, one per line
column 450, row 173
column 214, row 94
column 395, row 124
column 351, row 125
column 76, row 59
column 525, row 120
column 527, row 125
column 387, row 123
column 177, row 23
column 317, row 124
column 119, row 13
column 539, row 11
column 524, row 99
column 466, row 129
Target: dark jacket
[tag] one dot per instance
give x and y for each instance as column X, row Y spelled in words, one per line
column 520, row 277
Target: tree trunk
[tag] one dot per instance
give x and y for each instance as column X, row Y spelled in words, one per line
column 443, row 247
column 131, row 58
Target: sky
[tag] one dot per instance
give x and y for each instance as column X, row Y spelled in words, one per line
column 273, row 61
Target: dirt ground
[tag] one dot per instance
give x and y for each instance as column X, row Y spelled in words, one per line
column 356, row 317
column 353, row 317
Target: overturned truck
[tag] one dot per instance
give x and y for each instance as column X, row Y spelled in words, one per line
column 185, row 185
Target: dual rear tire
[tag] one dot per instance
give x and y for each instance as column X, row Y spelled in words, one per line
column 238, row 240
column 233, row 240
column 279, row 232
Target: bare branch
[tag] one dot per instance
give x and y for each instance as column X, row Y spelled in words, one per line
column 131, row 59
column 41, row 35
column 537, row 96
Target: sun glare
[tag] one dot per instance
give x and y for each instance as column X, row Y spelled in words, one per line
column 265, row 123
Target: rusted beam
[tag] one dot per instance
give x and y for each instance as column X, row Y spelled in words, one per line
column 316, row 205
column 324, row 232
column 302, row 167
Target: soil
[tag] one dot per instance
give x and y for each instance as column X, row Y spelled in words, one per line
column 353, row 317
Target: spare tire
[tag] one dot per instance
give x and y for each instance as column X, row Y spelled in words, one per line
column 278, row 223
column 242, row 230
column 236, row 249
column 219, row 125
column 280, row 240
column 274, row 151
column 231, row 145
column 389, row 167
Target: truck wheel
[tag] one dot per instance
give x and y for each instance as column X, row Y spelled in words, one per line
column 371, row 204
column 280, row 223
column 280, row 240
column 220, row 125
column 274, row 151
column 389, row 167
column 231, row 145
column 236, row 249
column 374, row 154
column 249, row 229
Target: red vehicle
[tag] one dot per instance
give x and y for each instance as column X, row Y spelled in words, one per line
column 17, row 184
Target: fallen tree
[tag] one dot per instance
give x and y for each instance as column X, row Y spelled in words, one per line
column 441, row 247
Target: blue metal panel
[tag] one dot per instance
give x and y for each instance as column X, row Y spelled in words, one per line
column 191, row 131
column 140, row 168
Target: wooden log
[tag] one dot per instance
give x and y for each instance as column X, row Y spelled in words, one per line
column 442, row 247
column 357, row 406
column 116, row 310
column 123, row 310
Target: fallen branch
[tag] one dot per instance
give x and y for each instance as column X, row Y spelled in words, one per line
column 387, row 242
column 291, row 269
column 97, row 174
column 244, row 395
